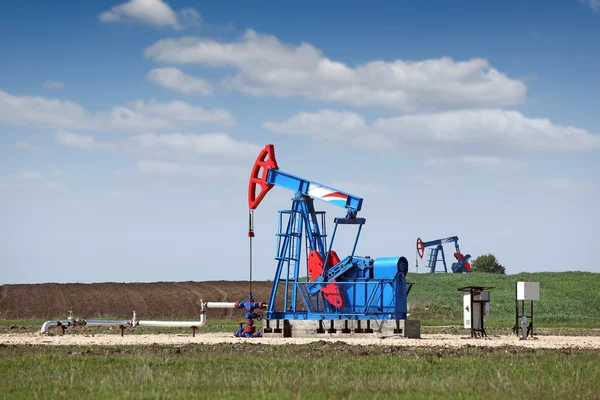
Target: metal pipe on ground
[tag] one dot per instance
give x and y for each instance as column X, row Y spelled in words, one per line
column 48, row 324
column 102, row 322
column 175, row 324
column 91, row 322
column 133, row 322
column 220, row 304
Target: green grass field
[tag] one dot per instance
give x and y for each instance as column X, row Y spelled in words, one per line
column 319, row 370
column 567, row 299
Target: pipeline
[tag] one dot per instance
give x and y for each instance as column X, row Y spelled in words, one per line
column 100, row 322
column 83, row 322
column 48, row 324
column 72, row 321
column 175, row 324
column 248, row 331
column 220, row 304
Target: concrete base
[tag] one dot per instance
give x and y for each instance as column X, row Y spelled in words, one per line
column 342, row 328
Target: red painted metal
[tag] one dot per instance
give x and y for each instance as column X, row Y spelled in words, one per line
column 460, row 256
column 331, row 292
column 258, row 177
column 420, row 247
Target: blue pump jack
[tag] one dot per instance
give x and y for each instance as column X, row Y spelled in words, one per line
column 355, row 287
column 462, row 261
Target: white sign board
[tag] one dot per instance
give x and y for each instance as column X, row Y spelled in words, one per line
column 467, row 309
column 528, row 290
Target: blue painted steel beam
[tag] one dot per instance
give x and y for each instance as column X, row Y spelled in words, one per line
column 441, row 241
column 350, row 221
column 332, row 316
column 315, row 190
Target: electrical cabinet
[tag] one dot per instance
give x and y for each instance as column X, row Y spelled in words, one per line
column 528, row 290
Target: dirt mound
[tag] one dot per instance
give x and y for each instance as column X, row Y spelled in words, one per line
column 117, row 300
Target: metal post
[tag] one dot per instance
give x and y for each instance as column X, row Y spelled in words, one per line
column 531, row 318
column 356, row 240
column 472, row 313
column 516, row 312
column 326, row 260
column 523, row 308
column 250, row 236
column 482, row 307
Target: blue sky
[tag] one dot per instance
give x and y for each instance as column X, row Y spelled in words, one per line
column 128, row 131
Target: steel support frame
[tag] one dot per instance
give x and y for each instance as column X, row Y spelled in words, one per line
column 303, row 221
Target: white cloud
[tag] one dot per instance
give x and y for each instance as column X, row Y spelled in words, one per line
column 177, row 80
column 189, row 18
column 326, row 124
column 180, row 113
column 37, row 111
column 480, row 128
column 43, row 112
column 492, row 162
column 332, row 126
column 174, row 169
column 156, row 13
column 75, row 140
column 173, row 146
column 478, row 163
column 269, row 67
column 53, row 85
column 219, row 144
column 374, row 142
column 489, row 127
column 594, row 5
column 175, row 155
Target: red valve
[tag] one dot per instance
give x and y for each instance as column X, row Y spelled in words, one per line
column 420, row 248
column 258, row 178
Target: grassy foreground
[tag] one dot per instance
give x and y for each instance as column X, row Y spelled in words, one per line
column 319, row 370
column 567, row 299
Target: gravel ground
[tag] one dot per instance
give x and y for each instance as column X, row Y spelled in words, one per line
column 550, row 342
